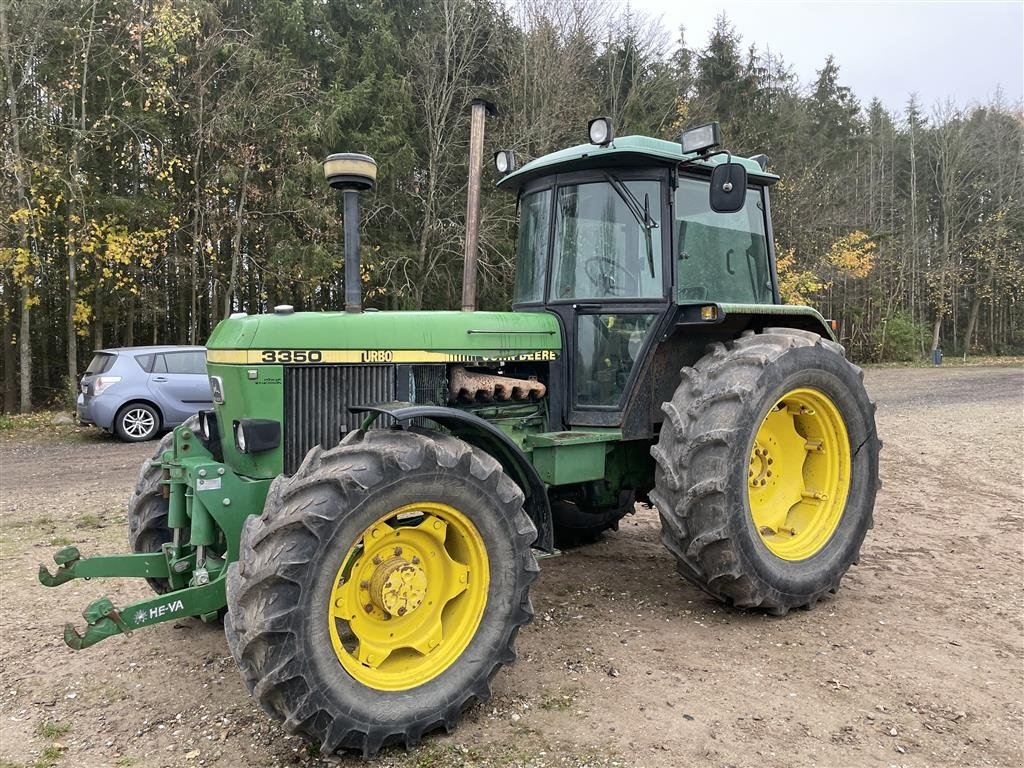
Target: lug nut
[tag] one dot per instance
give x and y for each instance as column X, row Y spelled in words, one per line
column 376, row 560
column 415, row 560
column 364, row 584
column 401, row 611
column 368, row 607
column 398, row 551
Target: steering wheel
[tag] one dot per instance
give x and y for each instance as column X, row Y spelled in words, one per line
column 600, row 270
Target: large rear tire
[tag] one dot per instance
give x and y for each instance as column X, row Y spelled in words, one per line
column 767, row 469
column 381, row 589
column 147, row 507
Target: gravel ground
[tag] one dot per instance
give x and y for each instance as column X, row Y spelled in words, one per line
column 916, row 662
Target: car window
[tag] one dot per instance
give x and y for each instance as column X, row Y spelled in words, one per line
column 185, row 362
column 101, row 363
column 145, row 362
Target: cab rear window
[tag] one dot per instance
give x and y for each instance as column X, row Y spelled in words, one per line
column 101, row 363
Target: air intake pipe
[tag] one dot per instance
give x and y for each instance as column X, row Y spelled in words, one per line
column 351, row 174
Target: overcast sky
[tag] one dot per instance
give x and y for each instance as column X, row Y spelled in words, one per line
column 963, row 49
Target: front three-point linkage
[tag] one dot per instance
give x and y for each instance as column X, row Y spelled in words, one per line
column 104, row 619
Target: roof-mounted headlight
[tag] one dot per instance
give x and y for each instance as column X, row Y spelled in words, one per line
column 505, row 161
column 601, row 131
column 701, row 138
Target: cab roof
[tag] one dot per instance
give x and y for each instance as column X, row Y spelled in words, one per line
column 623, row 151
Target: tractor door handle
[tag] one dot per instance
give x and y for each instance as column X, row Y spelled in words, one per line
column 585, row 307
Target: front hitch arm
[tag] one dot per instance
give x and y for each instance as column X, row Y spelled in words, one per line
column 72, row 566
column 104, row 619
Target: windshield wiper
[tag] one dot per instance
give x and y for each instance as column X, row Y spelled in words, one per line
column 642, row 213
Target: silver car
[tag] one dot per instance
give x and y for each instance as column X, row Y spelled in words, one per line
column 135, row 392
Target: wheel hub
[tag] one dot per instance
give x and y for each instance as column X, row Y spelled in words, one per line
column 398, row 586
column 798, row 474
column 409, row 596
column 760, row 472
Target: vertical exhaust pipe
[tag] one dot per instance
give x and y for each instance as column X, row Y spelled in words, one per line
column 351, row 174
column 479, row 109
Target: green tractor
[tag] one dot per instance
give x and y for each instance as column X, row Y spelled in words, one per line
column 365, row 505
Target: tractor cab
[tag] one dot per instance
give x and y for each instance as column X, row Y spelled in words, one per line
column 622, row 240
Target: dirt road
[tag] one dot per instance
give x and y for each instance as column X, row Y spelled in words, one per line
column 918, row 661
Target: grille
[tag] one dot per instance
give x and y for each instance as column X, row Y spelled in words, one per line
column 428, row 384
column 316, row 402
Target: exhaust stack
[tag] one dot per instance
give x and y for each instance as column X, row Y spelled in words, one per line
column 479, row 109
column 351, row 173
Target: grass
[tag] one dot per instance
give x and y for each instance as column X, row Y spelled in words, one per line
column 49, row 756
column 52, row 730
column 89, row 521
column 42, row 424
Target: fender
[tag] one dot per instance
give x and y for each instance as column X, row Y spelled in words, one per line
column 485, row 436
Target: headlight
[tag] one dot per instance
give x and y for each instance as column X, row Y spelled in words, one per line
column 256, row 435
column 700, row 139
column 104, row 383
column 208, row 431
column 600, row 131
column 505, row 161
column 217, row 389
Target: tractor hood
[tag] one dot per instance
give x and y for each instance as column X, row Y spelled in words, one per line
column 384, row 337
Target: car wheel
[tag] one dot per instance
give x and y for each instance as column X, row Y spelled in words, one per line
column 136, row 423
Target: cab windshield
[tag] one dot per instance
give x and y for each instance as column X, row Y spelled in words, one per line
column 602, row 246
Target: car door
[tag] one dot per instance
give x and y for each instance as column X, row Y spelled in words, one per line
column 179, row 382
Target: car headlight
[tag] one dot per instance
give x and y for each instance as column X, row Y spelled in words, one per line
column 217, row 389
column 256, row 435
column 104, row 383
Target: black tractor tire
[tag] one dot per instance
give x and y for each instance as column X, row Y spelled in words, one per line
column 147, row 507
column 133, row 417
column 279, row 590
column 574, row 525
column 701, row 468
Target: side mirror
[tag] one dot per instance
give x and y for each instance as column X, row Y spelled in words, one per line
column 728, row 188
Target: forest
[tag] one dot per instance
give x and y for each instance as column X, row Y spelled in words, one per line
column 162, row 167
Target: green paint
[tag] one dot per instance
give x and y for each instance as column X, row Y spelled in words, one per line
column 485, row 333
column 628, row 150
column 561, row 458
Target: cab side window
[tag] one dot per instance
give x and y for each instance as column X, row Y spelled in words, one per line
column 720, row 256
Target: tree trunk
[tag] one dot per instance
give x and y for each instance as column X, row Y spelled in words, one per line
column 21, row 195
column 10, row 388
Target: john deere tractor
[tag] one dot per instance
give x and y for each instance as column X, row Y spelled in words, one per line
column 365, row 504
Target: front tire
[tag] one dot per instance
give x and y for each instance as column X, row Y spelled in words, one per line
column 147, row 507
column 767, row 469
column 381, row 589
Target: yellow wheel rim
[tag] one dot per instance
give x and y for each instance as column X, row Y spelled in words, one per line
column 799, row 474
column 409, row 596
